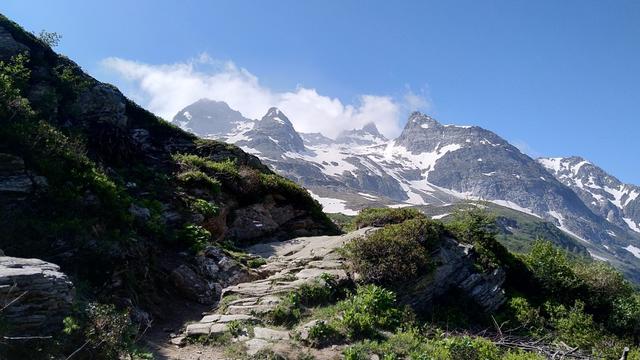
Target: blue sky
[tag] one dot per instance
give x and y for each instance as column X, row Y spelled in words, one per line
column 555, row 77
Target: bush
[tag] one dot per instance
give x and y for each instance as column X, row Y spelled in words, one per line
column 395, row 253
column 371, row 309
column 108, row 332
column 321, row 334
column 196, row 178
column 195, row 236
column 625, row 316
column 551, row 267
column 477, row 227
column 14, row 76
column 204, row 207
column 573, row 325
column 287, row 312
column 319, row 292
column 256, row 263
column 380, row 217
column 469, row 348
column 227, row 167
column 526, row 315
column 602, row 283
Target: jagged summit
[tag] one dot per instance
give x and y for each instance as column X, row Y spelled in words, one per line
column 603, row 193
column 368, row 135
column 276, row 115
column 209, row 117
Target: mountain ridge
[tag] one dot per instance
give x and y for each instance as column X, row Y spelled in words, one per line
column 430, row 163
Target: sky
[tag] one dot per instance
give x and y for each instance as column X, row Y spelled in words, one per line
column 555, row 78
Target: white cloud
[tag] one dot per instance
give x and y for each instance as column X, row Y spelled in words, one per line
column 166, row 89
column 525, row 148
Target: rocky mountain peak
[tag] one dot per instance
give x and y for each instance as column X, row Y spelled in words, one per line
column 208, row 117
column 368, row 135
column 418, row 119
column 276, row 133
column 371, row 128
column 603, row 193
column 274, row 114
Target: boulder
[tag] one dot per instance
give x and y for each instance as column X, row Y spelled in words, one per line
column 35, row 296
column 194, row 287
column 14, row 178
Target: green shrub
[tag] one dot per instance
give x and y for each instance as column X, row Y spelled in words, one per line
column 319, row 292
column 551, row 267
column 196, row 178
column 395, row 253
column 379, row 217
column 195, row 236
column 256, row 262
column 625, row 316
column 287, row 312
column 322, row 333
column 573, row 325
column 108, row 332
column 526, row 315
column 204, row 207
column 602, row 283
column 227, row 167
column 477, row 227
column 472, row 348
column 14, row 76
column 370, row 310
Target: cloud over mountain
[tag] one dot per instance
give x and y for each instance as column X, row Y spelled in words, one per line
column 165, row 89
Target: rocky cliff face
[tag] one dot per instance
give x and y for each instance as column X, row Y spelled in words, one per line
column 34, row 295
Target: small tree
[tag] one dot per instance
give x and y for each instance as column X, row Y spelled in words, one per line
column 52, row 39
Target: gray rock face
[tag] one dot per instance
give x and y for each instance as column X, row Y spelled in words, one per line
column 14, row 178
column 455, row 269
column 102, row 103
column 273, row 134
column 37, row 296
column 368, row 135
column 603, row 193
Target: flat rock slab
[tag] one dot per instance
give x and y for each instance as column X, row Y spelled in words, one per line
column 255, row 345
column 270, row 334
column 219, row 318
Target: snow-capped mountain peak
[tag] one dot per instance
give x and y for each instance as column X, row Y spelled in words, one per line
column 368, row 135
column 603, row 193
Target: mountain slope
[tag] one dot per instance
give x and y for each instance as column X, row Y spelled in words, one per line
column 602, row 192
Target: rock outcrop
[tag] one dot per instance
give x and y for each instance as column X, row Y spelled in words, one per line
column 34, row 295
column 456, row 270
